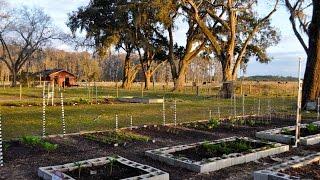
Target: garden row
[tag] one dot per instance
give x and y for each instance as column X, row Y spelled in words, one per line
column 212, row 148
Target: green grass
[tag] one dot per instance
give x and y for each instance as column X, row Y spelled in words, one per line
column 27, row 120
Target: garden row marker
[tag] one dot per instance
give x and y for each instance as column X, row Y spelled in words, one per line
column 20, row 91
column 219, row 113
column 48, row 94
column 52, row 94
column 117, row 123
column 318, row 109
column 1, row 152
column 175, row 112
column 131, row 123
column 62, row 116
column 259, row 107
column 44, row 111
column 298, row 118
column 164, row 112
column 242, row 104
column 234, row 106
column 210, row 114
column 270, row 110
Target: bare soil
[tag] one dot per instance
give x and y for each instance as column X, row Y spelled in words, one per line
column 22, row 162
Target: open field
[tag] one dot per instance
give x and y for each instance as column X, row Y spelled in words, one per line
column 86, row 109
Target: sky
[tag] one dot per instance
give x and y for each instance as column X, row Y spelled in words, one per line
column 285, row 55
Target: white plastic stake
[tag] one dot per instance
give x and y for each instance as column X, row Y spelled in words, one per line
column 219, row 115
column 131, row 123
column 1, row 142
column 62, row 115
column 117, row 123
column 43, row 111
column 259, row 107
column 210, row 114
column 298, row 119
column 243, row 111
column 175, row 112
column 164, row 112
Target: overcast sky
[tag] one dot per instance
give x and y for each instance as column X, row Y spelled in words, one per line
column 285, row 54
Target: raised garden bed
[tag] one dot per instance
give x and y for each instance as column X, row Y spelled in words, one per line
column 211, row 156
column 299, row 168
column 141, row 100
column 310, row 134
column 116, row 137
column 115, row 167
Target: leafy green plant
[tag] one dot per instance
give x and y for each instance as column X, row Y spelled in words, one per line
column 251, row 122
column 227, row 147
column 37, row 141
column 312, row 128
column 49, row 147
column 31, row 140
column 285, row 131
column 213, row 123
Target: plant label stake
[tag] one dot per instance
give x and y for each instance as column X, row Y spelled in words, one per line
column 52, row 94
column 270, row 110
column 117, row 123
column 243, row 112
column 20, row 91
column 259, row 107
column 175, row 112
column 1, row 142
column 131, row 123
column 219, row 113
column 210, row 114
column 234, row 106
column 164, row 112
column 44, row 111
column 298, row 118
column 62, row 115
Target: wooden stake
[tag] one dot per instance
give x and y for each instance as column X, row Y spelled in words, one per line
column 298, row 119
column 164, row 112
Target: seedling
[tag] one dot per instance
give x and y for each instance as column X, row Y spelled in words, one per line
column 112, row 162
column 79, row 167
column 37, row 141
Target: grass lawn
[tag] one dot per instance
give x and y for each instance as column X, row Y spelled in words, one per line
column 20, row 119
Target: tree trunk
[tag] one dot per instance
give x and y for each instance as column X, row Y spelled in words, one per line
column 226, row 68
column 14, row 78
column 311, row 85
column 126, row 82
column 180, row 81
column 147, row 79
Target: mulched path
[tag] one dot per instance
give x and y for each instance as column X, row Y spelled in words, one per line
column 22, row 162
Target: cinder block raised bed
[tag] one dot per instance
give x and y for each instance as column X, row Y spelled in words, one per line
column 278, row 136
column 170, row 155
column 62, row 171
column 278, row 172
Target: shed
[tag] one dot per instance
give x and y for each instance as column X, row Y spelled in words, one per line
column 59, row 77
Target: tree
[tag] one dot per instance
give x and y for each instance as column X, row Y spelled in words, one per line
column 234, row 30
column 310, row 27
column 108, row 23
column 22, row 36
